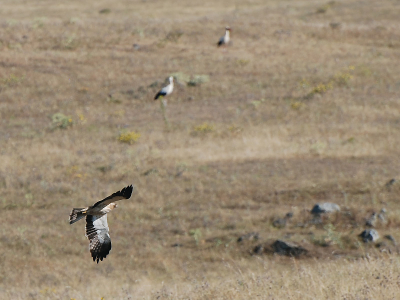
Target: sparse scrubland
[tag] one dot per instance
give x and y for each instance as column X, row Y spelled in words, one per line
column 303, row 107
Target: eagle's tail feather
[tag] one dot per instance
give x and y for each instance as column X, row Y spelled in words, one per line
column 76, row 214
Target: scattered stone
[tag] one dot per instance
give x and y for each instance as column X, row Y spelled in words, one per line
column 389, row 184
column 177, row 245
column 382, row 216
column 289, row 215
column 281, row 222
column 288, row 235
column 154, row 84
column 136, row 46
column 106, row 168
column 285, row 248
column 326, row 207
column 179, row 173
column 150, row 171
column 316, row 220
column 382, row 244
column 259, row 249
column 369, row 235
column 282, row 32
column 391, row 238
column 384, row 247
column 335, row 25
column 371, row 221
column 375, row 218
column 129, row 92
column 248, row 237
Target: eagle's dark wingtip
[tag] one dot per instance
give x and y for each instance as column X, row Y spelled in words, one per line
column 127, row 191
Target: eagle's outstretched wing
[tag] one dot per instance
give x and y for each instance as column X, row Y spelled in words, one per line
column 125, row 193
column 97, row 233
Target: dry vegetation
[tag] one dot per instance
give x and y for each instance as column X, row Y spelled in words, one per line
column 303, row 107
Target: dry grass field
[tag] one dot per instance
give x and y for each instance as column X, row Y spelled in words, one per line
column 302, row 107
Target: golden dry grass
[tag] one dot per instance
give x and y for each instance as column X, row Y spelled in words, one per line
column 302, row 108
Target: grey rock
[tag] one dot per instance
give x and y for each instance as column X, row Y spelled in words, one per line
column 371, row 221
column 369, row 235
column 259, row 249
column 281, row 222
column 382, row 244
column 335, row 25
column 382, row 216
column 316, row 220
column 389, row 184
column 248, row 237
column 326, row 207
column 391, row 238
column 286, row 248
column 289, row 215
column 150, row 171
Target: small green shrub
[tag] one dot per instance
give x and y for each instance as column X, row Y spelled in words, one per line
column 343, row 78
column 297, row 105
column 129, row 137
column 190, row 80
column 105, row 11
column 321, row 88
column 331, row 237
column 12, row 80
column 70, row 42
column 203, row 129
column 61, row 121
column 196, row 234
column 198, row 79
column 242, row 62
column 174, row 36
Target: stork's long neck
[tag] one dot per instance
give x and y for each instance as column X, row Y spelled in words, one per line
column 227, row 34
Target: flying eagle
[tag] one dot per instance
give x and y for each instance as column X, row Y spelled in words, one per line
column 96, row 222
column 224, row 40
column 165, row 91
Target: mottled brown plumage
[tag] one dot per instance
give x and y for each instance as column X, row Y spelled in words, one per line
column 96, row 222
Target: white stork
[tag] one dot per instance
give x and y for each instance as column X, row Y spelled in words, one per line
column 224, row 40
column 165, row 91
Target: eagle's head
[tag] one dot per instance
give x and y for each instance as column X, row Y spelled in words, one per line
column 110, row 207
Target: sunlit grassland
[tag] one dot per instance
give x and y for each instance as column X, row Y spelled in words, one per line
column 302, row 107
